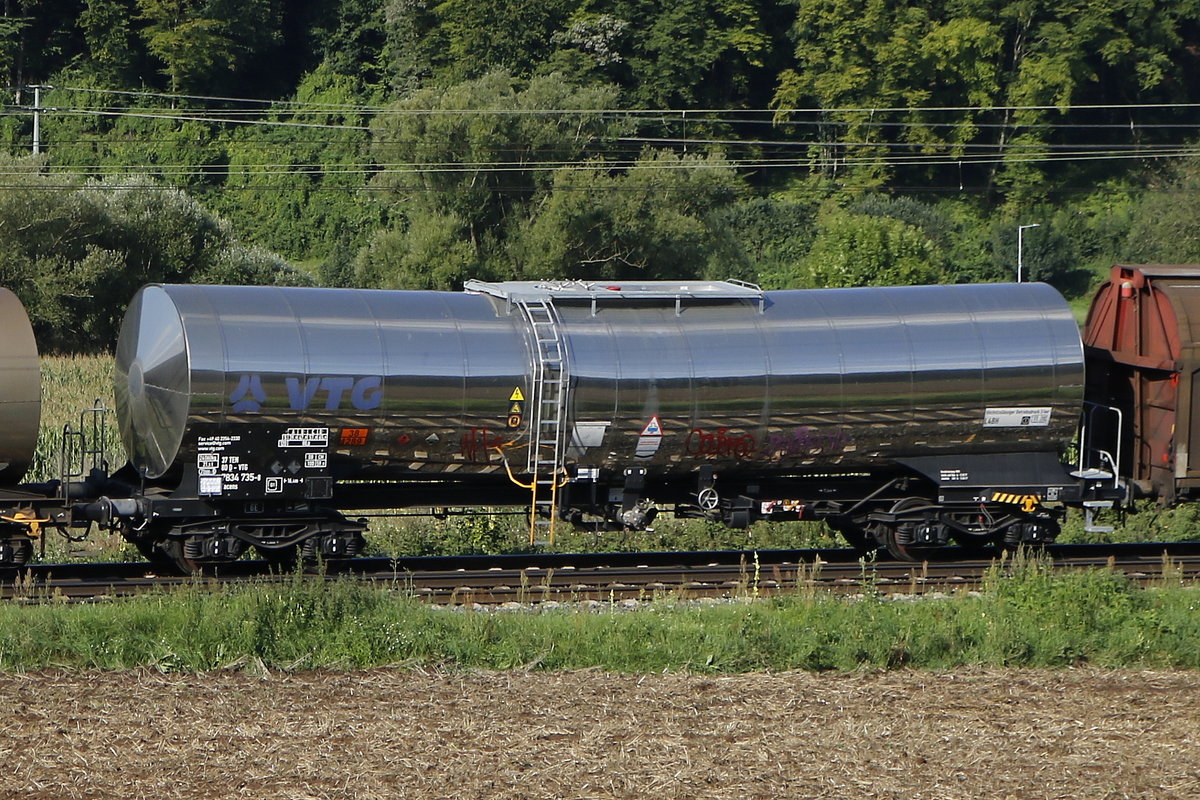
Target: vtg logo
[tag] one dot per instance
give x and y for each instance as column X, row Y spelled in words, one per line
column 364, row 394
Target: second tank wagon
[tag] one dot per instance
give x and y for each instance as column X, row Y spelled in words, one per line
column 666, row 376
column 895, row 413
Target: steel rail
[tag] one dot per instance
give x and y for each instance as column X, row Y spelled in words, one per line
column 609, row 577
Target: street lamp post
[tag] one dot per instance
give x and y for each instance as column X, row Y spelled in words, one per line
column 1020, row 233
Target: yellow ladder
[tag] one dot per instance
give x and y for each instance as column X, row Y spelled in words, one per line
column 546, row 423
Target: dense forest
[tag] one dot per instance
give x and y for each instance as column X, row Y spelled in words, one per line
column 414, row 144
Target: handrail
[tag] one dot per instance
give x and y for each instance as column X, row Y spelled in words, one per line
column 1087, row 422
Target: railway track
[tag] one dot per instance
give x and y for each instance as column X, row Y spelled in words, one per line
column 538, row 578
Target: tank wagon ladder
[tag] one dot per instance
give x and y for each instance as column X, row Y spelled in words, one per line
column 549, row 410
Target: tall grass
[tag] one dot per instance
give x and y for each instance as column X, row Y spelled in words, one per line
column 1026, row 616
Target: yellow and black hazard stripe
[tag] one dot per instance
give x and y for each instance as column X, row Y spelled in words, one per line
column 1027, row 502
column 27, row 517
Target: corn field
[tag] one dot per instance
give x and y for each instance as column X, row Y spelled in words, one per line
column 71, row 385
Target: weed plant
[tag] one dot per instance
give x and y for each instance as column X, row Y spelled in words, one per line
column 1026, row 616
column 1148, row 522
column 509, row 533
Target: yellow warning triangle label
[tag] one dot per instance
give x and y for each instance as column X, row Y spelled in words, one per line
column 515, row 408
column 516, row 395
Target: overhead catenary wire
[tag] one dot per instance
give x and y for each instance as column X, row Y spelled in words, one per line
column 257, row 119
column 691, row 112
column 775, row 117
column 610, row 153
column 369, row 186
column 1035, row 154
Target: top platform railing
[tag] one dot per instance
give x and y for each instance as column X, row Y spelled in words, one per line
column 595, row 292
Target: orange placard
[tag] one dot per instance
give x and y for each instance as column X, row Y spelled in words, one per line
column 353, row 437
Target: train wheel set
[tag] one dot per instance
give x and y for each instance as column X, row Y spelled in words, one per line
column 920, row 420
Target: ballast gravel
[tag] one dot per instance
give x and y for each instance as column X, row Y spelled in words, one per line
column 404, row 733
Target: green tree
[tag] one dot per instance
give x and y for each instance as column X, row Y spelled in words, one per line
column 109, row 40
column 199, row 39
column 864, row 250
column 656, row 220
column 37, row 38
column 184, row 152
column 707, row 52
column 75, row 251
column 427, row 250
column 413, row 45
column 768, row 236
column 1002, row 73
column 12, row 31
column 302, row 179
column 1165, row 226
column 462, row 164
column 502, row 34
column 349, row 36
column 1046, row 253
column 855, row 56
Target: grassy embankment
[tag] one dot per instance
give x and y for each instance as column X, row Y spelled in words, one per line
column 1032, row 617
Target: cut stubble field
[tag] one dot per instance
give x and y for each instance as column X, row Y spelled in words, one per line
column 389, row 733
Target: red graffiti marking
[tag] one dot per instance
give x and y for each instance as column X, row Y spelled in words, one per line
column 720, row 444
column 477, row 444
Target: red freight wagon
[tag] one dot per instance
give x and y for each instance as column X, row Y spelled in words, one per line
column 1142, row 342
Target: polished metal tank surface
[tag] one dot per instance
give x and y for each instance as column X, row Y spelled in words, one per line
column 664, row 375
column 426, row 373
column 20, row 390
column 816, row 378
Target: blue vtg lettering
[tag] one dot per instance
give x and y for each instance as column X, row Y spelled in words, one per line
column 326, row 392
column 364, row 394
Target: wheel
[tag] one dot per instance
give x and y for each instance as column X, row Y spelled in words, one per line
column 167, row 555
column 15, row 552
column 976, row 545
column 171, row 551
column 331, row 551
column 893, row 536
column 895, row 549
column 1030, row 533
column 164, row 553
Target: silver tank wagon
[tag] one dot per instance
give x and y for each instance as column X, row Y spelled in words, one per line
column 20, row 390
column 669, row 376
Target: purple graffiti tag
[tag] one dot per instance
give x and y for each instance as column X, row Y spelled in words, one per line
column 805, row 441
